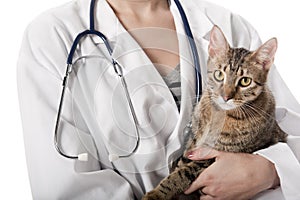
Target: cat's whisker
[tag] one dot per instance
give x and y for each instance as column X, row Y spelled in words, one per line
column 255, row 112
column 243, row 112
column 260, row 110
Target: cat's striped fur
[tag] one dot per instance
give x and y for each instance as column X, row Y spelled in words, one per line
column 236, row 112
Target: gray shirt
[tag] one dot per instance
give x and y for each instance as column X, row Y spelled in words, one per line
column 173, row 81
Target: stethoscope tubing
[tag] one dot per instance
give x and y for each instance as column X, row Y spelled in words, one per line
column 83, row 34
column 194, row 50
column 64, row 84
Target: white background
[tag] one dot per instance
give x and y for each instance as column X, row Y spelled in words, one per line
column 270, row 18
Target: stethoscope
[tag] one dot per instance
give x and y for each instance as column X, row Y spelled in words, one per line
column 119, row 73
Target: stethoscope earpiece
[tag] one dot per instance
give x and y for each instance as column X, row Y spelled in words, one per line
column 83, row 157
column 113, row 157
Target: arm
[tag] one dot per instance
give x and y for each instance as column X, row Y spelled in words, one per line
column 40, row 69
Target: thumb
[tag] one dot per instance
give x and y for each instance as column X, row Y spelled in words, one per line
column 202, row 153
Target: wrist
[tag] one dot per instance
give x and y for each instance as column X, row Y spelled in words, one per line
column 271, row 176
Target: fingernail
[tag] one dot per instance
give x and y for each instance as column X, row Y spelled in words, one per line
column 198, row 153
column 190, row 154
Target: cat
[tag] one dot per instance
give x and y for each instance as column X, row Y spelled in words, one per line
column 236, row 112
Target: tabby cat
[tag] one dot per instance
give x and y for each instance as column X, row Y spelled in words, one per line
column 236, row 112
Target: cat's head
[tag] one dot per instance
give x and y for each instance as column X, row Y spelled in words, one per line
column 236, row 75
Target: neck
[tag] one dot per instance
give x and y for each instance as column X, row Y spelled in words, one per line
column 137, row 7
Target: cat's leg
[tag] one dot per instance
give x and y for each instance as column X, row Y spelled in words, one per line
column 178, row 181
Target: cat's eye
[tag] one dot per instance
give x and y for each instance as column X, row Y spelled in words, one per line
column 245, row 81
column 218, row 75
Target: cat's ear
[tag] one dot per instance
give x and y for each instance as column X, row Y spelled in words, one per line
column 265, row 54
column 218, row 44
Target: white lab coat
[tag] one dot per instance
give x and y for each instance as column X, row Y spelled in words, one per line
column 96, row 118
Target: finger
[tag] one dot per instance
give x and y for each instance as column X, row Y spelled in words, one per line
column 193, row 187
column 196, row 185
column 202, row 154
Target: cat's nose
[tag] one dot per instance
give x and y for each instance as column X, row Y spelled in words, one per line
column 228, row 92
column 227, row 98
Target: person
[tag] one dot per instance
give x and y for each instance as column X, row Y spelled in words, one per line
column 150, row 44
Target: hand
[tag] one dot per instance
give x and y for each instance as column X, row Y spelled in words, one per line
column 233, row 175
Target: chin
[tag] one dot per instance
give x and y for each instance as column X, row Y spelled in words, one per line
column 228, row 105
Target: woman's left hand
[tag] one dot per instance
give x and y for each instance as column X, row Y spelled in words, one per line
column 232, row 175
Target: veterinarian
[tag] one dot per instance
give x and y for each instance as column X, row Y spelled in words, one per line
column 127, row 99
